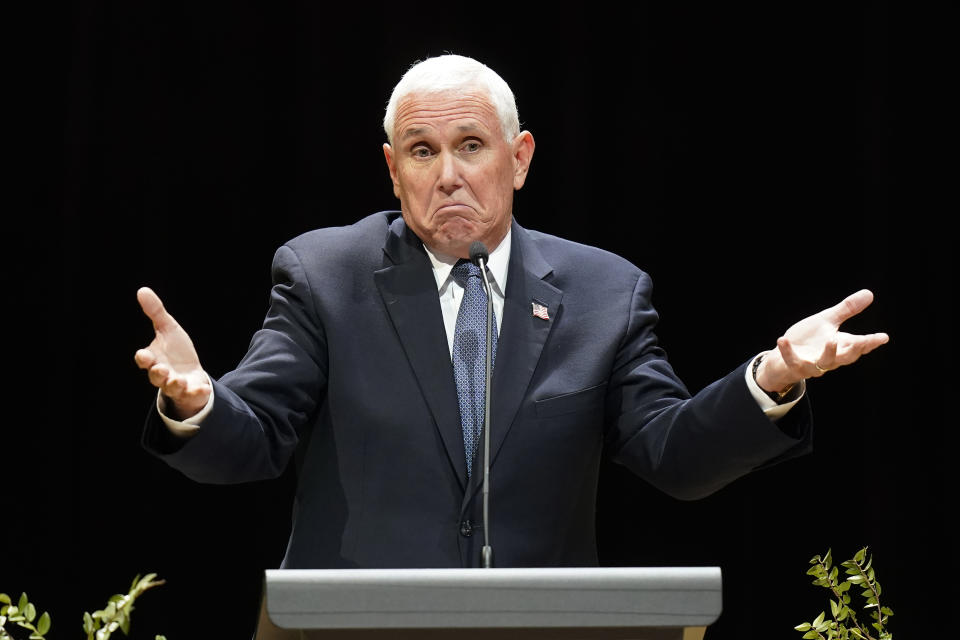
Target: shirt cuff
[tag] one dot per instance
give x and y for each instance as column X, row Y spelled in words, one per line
column 770, row 407
column 190, row 426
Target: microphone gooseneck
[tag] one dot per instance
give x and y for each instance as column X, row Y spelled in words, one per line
column 480, row 256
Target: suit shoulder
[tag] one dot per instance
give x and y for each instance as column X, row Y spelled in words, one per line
column 369, row 230
column 569, row 257
column 346, row 245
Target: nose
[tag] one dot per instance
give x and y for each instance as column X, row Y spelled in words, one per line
column 449, row 179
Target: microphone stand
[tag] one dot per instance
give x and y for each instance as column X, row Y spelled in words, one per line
column 486, row 553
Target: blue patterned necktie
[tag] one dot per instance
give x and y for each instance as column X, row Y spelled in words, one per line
column 469, row 354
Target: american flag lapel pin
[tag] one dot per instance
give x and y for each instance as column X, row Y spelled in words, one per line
column 540, row 310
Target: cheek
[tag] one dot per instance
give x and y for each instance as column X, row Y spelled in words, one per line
column 499, row 188
column 411, row 187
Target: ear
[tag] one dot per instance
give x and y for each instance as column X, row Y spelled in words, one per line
column 523, row 146
column 391, row 165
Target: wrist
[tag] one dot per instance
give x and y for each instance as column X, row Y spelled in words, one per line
column 765, row 377
column 181, row 409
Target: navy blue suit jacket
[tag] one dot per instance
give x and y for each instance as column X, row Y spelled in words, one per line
column 351, row 375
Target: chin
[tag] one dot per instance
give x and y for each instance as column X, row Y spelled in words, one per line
column 458, row 238
column 458, row 247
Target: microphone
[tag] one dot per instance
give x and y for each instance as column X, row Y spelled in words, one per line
column 480, row 257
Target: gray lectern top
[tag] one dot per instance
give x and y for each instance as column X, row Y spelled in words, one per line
column 617, row 602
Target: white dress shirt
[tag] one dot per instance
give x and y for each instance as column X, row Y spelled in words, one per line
column 451, row 293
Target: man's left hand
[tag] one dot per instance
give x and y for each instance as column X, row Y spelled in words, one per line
column 814, row 346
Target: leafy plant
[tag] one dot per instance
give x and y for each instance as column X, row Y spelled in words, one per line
column 23, row 614
column 843, row 623
column 98, row 626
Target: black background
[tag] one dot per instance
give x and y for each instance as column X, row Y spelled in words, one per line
column 760, row 164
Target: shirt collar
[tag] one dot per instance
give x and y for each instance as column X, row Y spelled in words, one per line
column 497, row 267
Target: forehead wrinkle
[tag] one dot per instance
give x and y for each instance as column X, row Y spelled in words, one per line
column 446, row 107
column 415, row 132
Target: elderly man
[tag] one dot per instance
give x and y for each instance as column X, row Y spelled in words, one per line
column 365, row 368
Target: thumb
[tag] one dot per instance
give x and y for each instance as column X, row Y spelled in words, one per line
column 850, row 306
column 154, row 309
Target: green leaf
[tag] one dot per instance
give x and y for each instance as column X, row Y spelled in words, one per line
column 819, row 619
column 858, row 558
column 834, row 608
column 30, row 612
column 43, row 624
column 87, row 623
column 887, row 611
column 23, row 602
column 4, row 598
column 803, row 626
column 811, row 635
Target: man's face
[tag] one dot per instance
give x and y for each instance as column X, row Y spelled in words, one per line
column 453, row 170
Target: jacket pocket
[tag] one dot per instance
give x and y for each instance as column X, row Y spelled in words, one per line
column 587, row 399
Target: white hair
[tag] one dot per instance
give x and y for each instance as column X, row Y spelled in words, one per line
column 448, row 73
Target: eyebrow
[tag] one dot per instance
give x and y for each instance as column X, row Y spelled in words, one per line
column 414, row 132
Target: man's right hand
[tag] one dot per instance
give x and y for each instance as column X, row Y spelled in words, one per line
column 171, row 361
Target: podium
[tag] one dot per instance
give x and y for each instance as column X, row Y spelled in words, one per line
column 618, row 603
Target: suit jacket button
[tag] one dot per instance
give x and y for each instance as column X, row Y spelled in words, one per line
column 466, row 528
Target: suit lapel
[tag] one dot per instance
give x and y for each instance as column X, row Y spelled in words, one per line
column 409, row 291
column 520, row 342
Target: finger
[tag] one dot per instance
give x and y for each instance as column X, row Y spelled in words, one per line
column 827, row 359
column 850, row 306
column 195, row 391
column 144, row 358
column 857, row 346
column 153, row 308
column 158, row 374
column 786, row 351
column 175, row 388
column 790, row 357
column 801, row 368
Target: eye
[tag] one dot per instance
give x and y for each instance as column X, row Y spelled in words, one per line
column 421, row 151
column 471, row 146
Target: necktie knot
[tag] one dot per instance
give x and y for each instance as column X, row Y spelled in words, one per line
column 463, row 270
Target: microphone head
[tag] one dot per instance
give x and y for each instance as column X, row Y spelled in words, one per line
column 478, row 252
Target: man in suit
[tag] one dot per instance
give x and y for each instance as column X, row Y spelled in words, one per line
column 359, row 370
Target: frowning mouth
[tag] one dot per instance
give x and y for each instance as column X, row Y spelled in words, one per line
column 456, row 209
